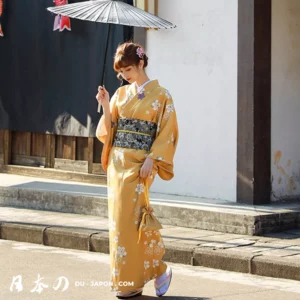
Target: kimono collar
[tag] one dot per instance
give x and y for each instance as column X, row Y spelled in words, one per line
column 148, row 87
column 140, row 87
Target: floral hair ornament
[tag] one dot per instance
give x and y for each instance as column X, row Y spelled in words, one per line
column 140, row 52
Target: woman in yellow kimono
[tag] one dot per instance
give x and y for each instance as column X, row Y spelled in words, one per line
column 140, row 133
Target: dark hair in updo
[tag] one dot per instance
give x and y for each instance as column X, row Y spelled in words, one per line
column 126, row 56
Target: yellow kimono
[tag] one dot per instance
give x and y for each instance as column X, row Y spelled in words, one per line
column 143, row 125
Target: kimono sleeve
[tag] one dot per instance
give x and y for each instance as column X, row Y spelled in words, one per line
column 106, row 135
column 165, row 143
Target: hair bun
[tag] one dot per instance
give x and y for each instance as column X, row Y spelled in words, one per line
column 129, row 54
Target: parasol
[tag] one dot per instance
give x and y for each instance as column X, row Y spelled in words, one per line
column 111, row 12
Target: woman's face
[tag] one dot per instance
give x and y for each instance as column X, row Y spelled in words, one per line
column 131, row 73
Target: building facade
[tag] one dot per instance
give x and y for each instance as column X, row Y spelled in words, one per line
column 233, row 69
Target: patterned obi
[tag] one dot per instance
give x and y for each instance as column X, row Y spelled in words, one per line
column 135, row 134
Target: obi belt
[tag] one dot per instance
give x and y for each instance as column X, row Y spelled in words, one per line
column 135, row 134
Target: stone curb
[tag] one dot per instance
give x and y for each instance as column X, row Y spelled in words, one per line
column 98, row 241
column 168, row 215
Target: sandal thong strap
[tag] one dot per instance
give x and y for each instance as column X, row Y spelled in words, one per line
column 129, row 294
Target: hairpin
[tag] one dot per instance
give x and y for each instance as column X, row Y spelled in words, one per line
column 140, row 52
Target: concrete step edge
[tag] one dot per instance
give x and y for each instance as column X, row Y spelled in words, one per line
column 219, row 221
column 67, row 202
column 98, row 241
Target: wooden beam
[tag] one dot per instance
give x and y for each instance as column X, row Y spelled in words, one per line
column 90, row 154
column 254, row 102
column 28, row 143
column 50, row 151
column 53, row 148
column 26, row 160
column 47, row 156
column 74, row 148
column 71, row 165
column 7, row 147
column 156, row 7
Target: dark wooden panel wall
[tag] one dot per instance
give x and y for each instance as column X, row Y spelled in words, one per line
column 1, row 145
column 1, row 141
column 78, row 154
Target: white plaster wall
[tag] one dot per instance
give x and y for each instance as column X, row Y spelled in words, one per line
column 285, row 99
column 197, row 63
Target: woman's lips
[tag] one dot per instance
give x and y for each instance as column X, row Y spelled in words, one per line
column 128, row 79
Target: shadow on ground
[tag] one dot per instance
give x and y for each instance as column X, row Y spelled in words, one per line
column 170, row 298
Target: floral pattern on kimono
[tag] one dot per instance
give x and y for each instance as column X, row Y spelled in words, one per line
column 131, row 259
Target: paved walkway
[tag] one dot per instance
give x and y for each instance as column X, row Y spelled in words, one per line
column 275, row 255
column 86, row 275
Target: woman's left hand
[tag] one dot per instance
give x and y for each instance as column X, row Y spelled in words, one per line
column 146, row 169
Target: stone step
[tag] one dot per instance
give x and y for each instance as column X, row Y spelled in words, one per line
column 198, row 213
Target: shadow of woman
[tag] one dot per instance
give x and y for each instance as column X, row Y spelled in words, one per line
column 144, row 297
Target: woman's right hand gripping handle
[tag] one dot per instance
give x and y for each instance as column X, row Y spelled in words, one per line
column 103, row 97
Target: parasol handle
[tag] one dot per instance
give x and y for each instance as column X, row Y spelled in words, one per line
column 104, row 65
column 99, row 108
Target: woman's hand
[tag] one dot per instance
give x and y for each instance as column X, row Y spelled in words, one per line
column 146, row 169
column 102, row 96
